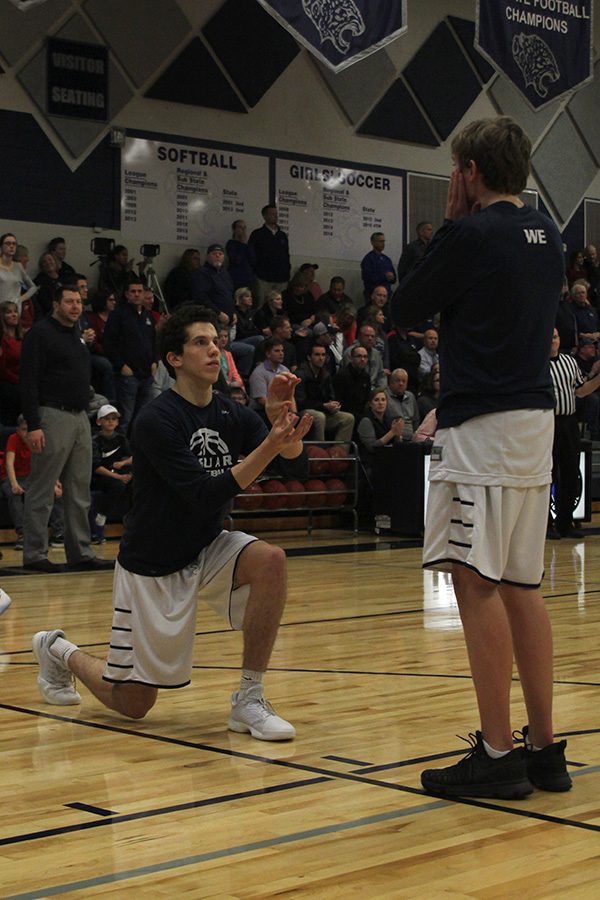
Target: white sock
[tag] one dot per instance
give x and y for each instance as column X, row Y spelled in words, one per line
column 61, row 649
column 100, row 519
column 494, row 754
column 250, row 678
column 531, row 746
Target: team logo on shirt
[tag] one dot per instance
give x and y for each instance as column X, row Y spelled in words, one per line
column 211, row 450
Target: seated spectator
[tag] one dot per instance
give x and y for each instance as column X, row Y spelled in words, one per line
column 315, row 396
column 588, row 407
column 15, row 478
column 151, row 306
column 428, row 353
column 281, row 329
column 22, row 256
column 366, row 338
column 323, row 334
column 586, row 317
column 403, row 349
column 238, row 393
column 111, row 468
column 298, row 302
column 402, row 404
column 576, row 268
column 566, row 323
column 239, row 256
column 102, row 306
column 273, row 306
column 230, row 373
column 263, row 374
column 380, row 299
column 592, row 273
column 331, row 301
column 178, row 283
column 345, row 319
column 429, row 396
column 352, row 383
column 308, row 270
column 103, row 377
column 375, row 317
column 58, row 248
column 11, row 342
column 376, row 428
column 245, row 327
column 212, row 286
column 47, row 280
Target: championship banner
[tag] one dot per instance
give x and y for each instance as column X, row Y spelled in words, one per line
column 340, row 32
column 544, row 47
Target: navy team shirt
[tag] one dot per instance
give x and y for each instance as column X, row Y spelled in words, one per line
column 182, row 481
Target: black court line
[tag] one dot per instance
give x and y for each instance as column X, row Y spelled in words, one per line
column 303, row 767
column 344, row 759
column 393, row 544
column 96, row 810
column 151, row 813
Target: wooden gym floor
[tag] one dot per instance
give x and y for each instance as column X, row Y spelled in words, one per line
column 370, row 667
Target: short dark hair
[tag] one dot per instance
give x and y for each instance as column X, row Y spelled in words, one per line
column 57, row 293
column 377, row 234
column 278, row 321
column 135, row 279
column 337, row 279
column 501, row 150
column 268, row 206
column 270, row 343
column 174, row 332
column 55, row 242
column 100, row 299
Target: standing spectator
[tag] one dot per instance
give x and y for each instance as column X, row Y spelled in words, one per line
column 315, row 396
column 569, row 383
column 270, row 252
column 377, row 268
column 415, row 250
column 55, row 384
column 15, row 283
column 179, row 281
column 352, row 384
column 115, row 271
column 102, row 306
column 130, row 345
column 239, row 256
column 14, row 487
column 10, row 362
column 111, row 468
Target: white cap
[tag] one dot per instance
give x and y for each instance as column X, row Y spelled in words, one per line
column 106, row 410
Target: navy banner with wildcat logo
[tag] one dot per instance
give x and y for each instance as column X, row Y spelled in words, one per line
column 340, row 32
column 543, row 46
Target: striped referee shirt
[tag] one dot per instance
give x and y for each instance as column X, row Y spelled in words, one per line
column 566, row 378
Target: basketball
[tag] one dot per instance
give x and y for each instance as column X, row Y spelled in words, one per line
column 339, row 460
column 318, row 460
column 336, row 492
column 251, row 498
column 295, row 489
column 316, row 493
column 271, row 489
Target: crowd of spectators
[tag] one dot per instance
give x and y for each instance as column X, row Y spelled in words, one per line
column 361, row 378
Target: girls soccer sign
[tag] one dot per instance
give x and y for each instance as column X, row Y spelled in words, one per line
column 543, row 46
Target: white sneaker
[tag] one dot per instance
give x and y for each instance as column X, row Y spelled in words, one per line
column 5, row 601
column 250, row 712
column 55, row 681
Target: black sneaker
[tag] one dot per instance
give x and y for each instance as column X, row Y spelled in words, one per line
column 478, row 775
column 546, row 768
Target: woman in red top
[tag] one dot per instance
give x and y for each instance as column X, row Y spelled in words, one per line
column 11, row 341
column 102, row 306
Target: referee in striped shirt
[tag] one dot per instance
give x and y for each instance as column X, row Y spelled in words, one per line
column 569, row 383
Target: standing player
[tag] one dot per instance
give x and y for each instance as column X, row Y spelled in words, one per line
column 495, row 271
column 186, row 445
